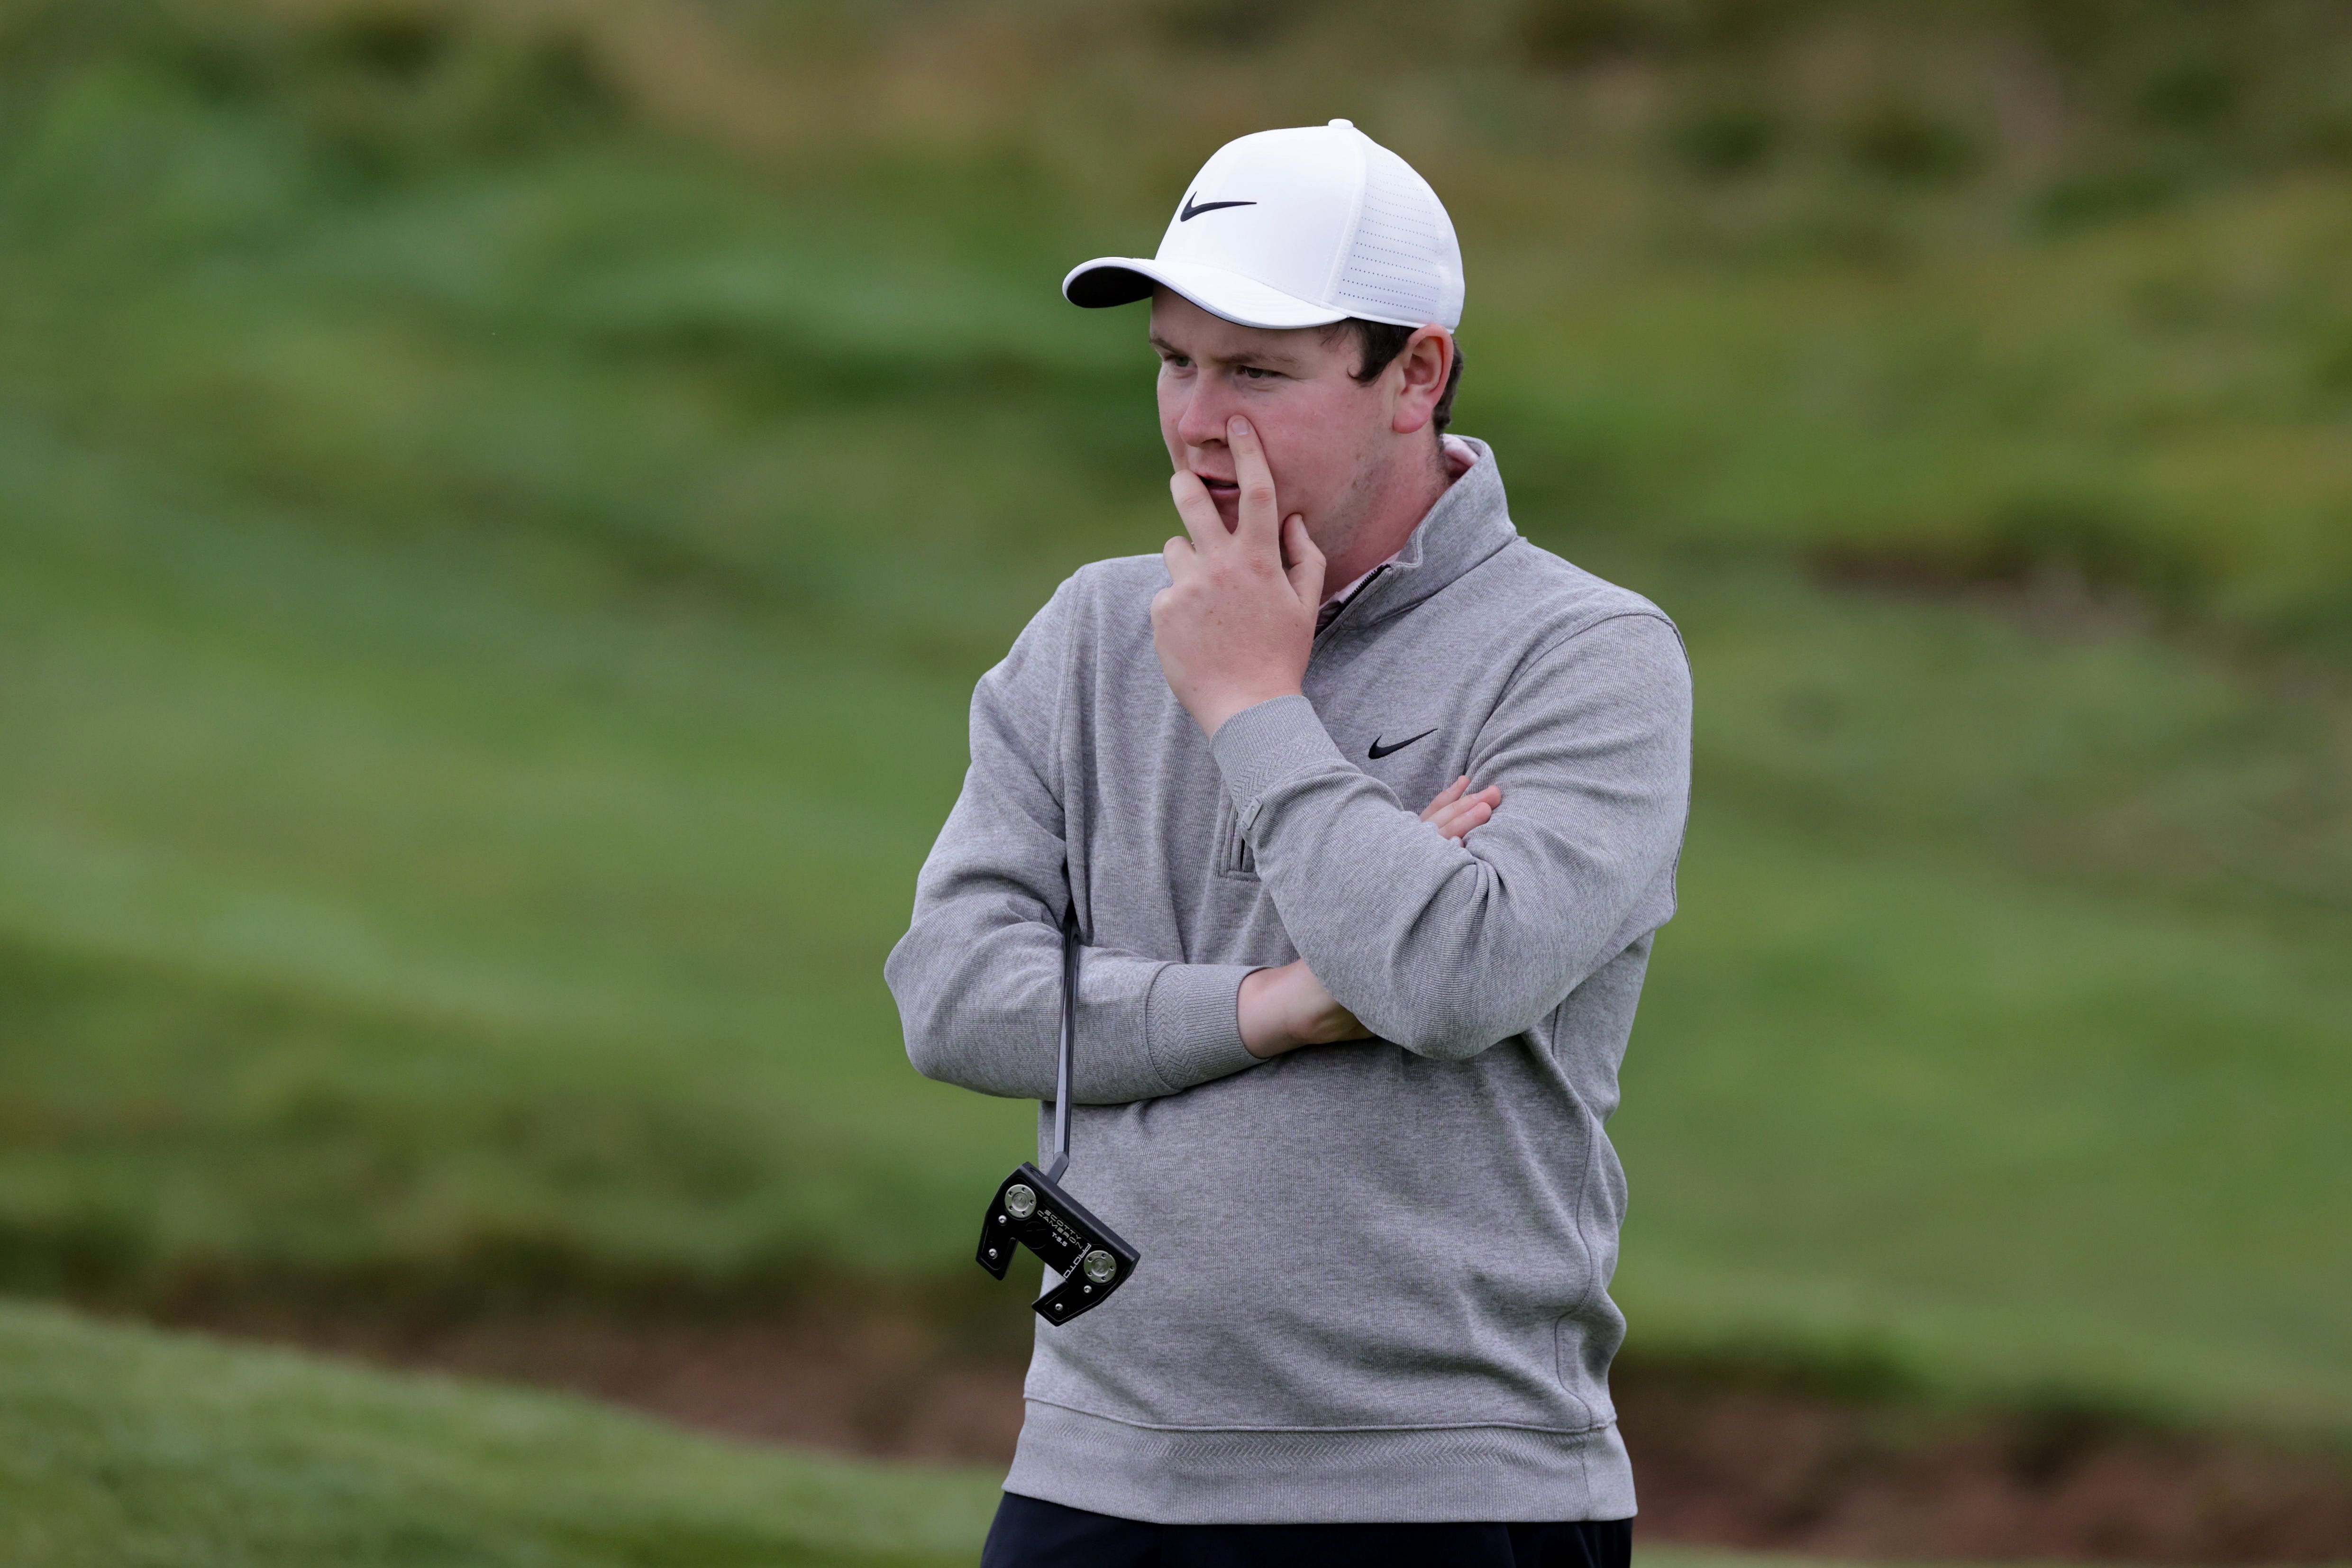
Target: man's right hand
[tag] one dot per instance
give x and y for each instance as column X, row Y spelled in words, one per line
column 1284, row 1008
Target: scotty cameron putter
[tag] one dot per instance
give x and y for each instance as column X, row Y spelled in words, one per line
column 1030, row 1210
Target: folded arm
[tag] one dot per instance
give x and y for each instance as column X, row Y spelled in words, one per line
column 1286, row 1007
column 978, row 975
column 1445, row 947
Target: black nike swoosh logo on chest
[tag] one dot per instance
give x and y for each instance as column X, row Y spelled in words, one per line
column 1379, row 751
column 1191, row 211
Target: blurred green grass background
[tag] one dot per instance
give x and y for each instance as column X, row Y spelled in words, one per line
column 505, row 503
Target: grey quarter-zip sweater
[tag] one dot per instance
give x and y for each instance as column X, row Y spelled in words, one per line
column 1375, row 1274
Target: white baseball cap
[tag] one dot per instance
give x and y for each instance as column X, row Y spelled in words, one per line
column 1298, row 228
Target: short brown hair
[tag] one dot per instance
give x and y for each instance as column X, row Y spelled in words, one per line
column 1378, row 343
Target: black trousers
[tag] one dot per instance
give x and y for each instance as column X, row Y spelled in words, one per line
column 1029, row 1533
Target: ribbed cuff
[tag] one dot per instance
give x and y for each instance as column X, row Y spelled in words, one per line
column 1260, row 747
column 1193, row 1023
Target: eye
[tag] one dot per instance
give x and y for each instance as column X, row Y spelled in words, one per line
column 1255, row 372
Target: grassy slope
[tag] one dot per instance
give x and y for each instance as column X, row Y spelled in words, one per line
column 492, row 654
column 1922, row 1069
column 133, row 1449
column 2153, row 404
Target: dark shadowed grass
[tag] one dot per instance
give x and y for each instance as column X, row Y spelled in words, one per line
column 119, row 1446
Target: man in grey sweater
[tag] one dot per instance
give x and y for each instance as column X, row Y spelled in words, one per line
column 1342, row 1064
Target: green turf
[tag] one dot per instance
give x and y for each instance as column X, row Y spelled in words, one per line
column 487, row 636
column 126, row 1449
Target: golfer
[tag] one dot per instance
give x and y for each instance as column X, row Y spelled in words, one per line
column 1367, row 809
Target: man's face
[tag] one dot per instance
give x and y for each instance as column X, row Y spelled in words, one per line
column 1324, row 435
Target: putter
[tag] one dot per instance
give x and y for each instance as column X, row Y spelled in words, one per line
column 1030, row 1209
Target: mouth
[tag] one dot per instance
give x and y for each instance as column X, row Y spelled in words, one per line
column 1219, row 489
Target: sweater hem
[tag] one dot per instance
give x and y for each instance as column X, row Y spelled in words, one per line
column 1406, row 1475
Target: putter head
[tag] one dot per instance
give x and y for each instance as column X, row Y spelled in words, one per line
column 1029, row 1210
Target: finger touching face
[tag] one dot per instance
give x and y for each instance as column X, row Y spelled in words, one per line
column 1258, row 510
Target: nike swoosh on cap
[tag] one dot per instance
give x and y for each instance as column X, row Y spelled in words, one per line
column 1379, row 751
column 1190, row 212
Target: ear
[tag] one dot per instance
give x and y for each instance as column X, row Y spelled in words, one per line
column 1426, row 361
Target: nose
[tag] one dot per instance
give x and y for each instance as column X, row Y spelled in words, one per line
column 1207, row 404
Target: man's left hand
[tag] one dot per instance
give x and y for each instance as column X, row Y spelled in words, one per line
column 1235, row 626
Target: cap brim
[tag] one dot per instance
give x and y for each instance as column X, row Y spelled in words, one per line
column 1245, row 302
